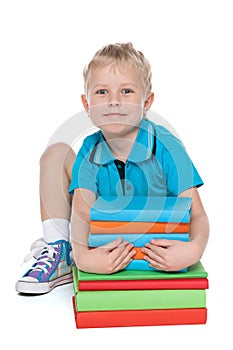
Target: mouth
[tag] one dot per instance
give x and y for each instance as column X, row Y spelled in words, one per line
column 114, row 114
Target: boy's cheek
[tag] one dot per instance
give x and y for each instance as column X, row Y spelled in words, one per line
column 96, row 112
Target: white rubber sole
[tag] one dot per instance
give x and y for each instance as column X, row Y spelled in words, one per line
column 42, row 287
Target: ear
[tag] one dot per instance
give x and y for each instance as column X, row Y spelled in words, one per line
column 85, row 103
column 149, row 101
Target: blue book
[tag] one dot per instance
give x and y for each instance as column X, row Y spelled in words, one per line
column 143, row 265
column 144, row 209
column 138, row 239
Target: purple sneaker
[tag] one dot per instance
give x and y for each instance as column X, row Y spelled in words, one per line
column 52, row 268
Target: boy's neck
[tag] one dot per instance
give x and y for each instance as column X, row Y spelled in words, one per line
column 121, row 147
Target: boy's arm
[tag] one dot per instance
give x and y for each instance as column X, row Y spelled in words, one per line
column 171, row 255
column 106, row 259
column 199, row 223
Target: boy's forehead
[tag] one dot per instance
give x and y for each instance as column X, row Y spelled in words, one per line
column 120, row 71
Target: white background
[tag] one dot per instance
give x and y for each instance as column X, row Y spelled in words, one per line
column 44, row 47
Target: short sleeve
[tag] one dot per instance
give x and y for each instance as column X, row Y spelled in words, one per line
column 83, row 171
column 179, row 170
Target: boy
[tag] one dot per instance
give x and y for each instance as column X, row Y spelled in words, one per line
column 128, row 156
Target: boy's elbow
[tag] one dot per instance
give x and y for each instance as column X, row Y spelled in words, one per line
column 79, row 254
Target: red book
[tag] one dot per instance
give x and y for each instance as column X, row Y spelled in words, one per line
column 132, row 318
column 176, row 283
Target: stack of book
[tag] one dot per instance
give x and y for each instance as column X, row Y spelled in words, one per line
column 138, row 220
column 140, row 298
column 139, row 295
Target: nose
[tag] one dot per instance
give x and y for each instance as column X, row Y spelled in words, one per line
column 114, row 101
column 114, row 104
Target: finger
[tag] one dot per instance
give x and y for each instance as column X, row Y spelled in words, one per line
column 154, row 251
column 126, row 254
column 112, row 245
column 120, row 252
column 124, row 260
column 155, row 264
column 163, row 242
column 149, row 254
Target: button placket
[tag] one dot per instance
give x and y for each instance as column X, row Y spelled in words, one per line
column 128, row 186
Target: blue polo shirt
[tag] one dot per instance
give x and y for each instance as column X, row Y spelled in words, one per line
column 158, row 165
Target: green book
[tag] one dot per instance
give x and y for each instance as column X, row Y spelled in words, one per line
column 139, row 299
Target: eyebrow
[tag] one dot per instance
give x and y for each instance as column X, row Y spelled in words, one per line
column 99, row 85
column 106, row 85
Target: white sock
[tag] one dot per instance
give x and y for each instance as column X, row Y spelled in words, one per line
column 56, row 229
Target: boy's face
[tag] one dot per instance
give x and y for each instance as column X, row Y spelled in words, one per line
column 115, row 100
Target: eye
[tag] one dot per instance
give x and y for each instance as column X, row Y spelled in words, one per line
column 101, row 92
column 127, row 91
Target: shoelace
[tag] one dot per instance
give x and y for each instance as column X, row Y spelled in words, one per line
column 40, row 248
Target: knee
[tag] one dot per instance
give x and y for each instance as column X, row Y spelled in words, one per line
column 58, row 153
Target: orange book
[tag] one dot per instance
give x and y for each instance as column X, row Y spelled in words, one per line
column 112, row 227
column 139, row 254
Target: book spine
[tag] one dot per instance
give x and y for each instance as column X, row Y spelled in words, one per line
column 177, row 283
column 139, row 240
column 112, row 227
column 143, row 265
column 140, row 215
column 140, row 299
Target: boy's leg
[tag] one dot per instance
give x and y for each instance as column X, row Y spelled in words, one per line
column 55, row 176
column 55, row 202
column 53, row 265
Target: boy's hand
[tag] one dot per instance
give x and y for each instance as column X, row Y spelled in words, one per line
column 111, row 257
column 171, row 255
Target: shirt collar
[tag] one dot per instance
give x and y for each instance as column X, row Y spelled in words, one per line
column 142, row 148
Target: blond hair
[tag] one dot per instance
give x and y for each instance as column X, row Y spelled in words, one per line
column 119, row 54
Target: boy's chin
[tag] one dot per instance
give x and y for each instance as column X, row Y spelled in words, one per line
column 118, row 129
